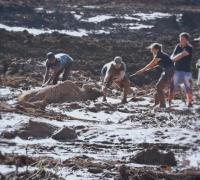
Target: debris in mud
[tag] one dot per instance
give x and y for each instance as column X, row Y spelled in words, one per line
column 64, row 134
column 95, row 170
column 19, row 160
column 154, row 157
column 34, row 175
column 145, row 174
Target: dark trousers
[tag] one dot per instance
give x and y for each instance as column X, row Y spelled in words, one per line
column 66, row 70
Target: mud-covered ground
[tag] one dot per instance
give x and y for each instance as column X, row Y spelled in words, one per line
column 101, row 140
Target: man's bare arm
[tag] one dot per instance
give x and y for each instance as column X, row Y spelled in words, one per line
column 152, row 64
column 55, row 73
column 179, row 56
column 46, row 75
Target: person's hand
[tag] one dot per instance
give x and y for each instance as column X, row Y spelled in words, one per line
column 173, row 60
column 43, row 85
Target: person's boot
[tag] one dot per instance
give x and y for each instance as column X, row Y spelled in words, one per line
column 189, row 104
column 170, row 102
column 162, row 101
column 104, row 99
column 189, row 100
column 157, row 99
column 170, row 96
column 124, row 101
column 162, row 105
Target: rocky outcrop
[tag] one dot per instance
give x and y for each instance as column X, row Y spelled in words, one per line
column 154, row 157
column 40, row 130
column 32, row 129
column 64, row 134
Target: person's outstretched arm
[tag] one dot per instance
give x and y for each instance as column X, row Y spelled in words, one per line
column 46, row 75
column 151, row 65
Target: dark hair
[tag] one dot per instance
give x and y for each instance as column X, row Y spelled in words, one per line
column 185, row 35
column 156, row 46
column 50, row 56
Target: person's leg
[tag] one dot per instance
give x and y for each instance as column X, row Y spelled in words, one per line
column 125, row 84
column 56, row 76
column 176, row 80
column 105, row 87
column 169, row 84
column 67, row 71
column 188, row 87
column 103, row 73
column 159, row 95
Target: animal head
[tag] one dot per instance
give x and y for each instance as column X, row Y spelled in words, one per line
column 92, row 92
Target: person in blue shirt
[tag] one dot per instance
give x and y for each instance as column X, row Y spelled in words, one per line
column 162, row 59
column 58, row 63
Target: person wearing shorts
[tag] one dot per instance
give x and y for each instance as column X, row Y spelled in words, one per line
column 182, row 57
column 114, row 72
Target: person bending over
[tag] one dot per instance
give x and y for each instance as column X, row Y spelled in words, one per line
column 114, row 72
column 58, row 63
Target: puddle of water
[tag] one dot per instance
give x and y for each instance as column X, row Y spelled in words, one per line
column 151, row 16
column 34, row 31
column 98, row 18
column 92, row 7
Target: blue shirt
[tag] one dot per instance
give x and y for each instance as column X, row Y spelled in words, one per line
column 63, row 60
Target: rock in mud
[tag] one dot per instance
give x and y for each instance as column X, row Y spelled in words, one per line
column 32, row 129
column 65, row 134
column 36, row 130
column 96, row 170
column 153, row 156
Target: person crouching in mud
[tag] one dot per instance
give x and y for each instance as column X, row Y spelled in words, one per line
column 162, row 59
column 114, row 72
column 58, row 63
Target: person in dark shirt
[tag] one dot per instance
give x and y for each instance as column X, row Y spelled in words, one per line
column 58, row 63
column 162, row 59
column 182, row 57
column 114, row 72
